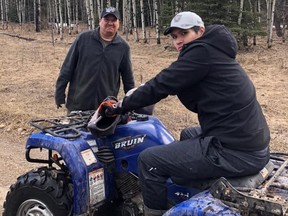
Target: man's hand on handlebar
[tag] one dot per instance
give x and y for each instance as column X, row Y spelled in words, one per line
column 110, row 107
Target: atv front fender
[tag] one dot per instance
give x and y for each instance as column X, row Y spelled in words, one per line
column 70, row 151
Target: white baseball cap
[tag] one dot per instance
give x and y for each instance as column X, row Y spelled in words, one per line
column 184, row 20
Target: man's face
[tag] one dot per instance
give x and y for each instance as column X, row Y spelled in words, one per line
column 184, row 36
column 109, row 25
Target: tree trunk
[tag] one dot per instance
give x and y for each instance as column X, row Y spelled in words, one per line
column 76, row 16
column 241, row 11
column 125, row 19
column 6, row 3
column 255, row 11
column 18, row 8
column 56, row 20
column 88, row 13
column 129, row 21
column 270, row 21
column 268, row 18
column 102, row 5
column 64, row 13
column 99, row 9
column 23, row 11
column 92, row 14
column 68, row 2
column 259, row 10
column 177, row 8
column 143, row 22
column 150, row 13
column 89, row 19
column 56, row 11
column 50, row 6
column 252, row 11
column 61, row 19
column 157, row 21
column 284, row 21
column 2, row 12
column 136, row 36
column 37, row 20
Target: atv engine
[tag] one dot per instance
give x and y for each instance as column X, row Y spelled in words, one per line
column 128, row 185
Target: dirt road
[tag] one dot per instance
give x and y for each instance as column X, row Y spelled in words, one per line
column 13, row 164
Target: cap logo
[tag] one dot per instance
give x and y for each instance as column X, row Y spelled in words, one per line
column 177, row 18
column 110, row 9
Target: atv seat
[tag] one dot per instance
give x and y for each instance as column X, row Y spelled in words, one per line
column 251, row 181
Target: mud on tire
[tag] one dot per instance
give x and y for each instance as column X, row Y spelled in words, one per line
column 45, row 191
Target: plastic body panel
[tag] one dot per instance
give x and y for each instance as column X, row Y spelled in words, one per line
column 70, row 151
column 132, row 138
column 202, row 204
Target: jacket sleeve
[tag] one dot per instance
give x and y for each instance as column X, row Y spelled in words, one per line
column 190, row 68
column 66, row 73
column 126, row 71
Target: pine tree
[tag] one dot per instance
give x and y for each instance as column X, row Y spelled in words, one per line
column 226, row 13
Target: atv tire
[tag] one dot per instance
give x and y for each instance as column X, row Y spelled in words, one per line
column 45, row 191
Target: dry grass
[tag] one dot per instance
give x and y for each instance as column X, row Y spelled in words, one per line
column 29, row 70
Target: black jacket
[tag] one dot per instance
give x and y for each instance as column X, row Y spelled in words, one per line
column 93, row 72
column 208, row 81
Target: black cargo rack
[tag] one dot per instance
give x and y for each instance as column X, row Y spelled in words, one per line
column 68, row 127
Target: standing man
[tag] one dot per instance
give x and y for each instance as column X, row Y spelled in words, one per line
column 94, row 65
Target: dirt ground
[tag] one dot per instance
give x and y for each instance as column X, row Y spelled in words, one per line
column 29, row 68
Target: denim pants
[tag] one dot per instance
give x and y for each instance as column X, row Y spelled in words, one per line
column 192, row 158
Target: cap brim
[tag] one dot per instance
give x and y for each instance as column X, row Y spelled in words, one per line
column 111, row 14
column 167, row 30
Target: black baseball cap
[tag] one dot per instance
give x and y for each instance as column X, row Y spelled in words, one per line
column 110, row 10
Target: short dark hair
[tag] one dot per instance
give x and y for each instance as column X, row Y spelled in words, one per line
column 196, row 28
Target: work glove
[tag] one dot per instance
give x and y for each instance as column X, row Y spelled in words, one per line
column 110, row 107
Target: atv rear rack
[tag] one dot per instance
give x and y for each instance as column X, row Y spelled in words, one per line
column 68, row 127
column 270, row 199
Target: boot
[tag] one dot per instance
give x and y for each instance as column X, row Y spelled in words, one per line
column 153, row 212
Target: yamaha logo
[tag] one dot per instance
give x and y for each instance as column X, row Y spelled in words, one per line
column 128, row 142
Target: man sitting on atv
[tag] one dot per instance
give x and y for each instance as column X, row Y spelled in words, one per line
column 233, row 136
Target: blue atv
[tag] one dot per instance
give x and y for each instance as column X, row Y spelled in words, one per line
column 92, row 170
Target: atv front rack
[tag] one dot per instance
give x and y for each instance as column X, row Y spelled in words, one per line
column 68, row 127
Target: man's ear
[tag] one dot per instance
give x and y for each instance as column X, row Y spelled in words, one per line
column 202, row 30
